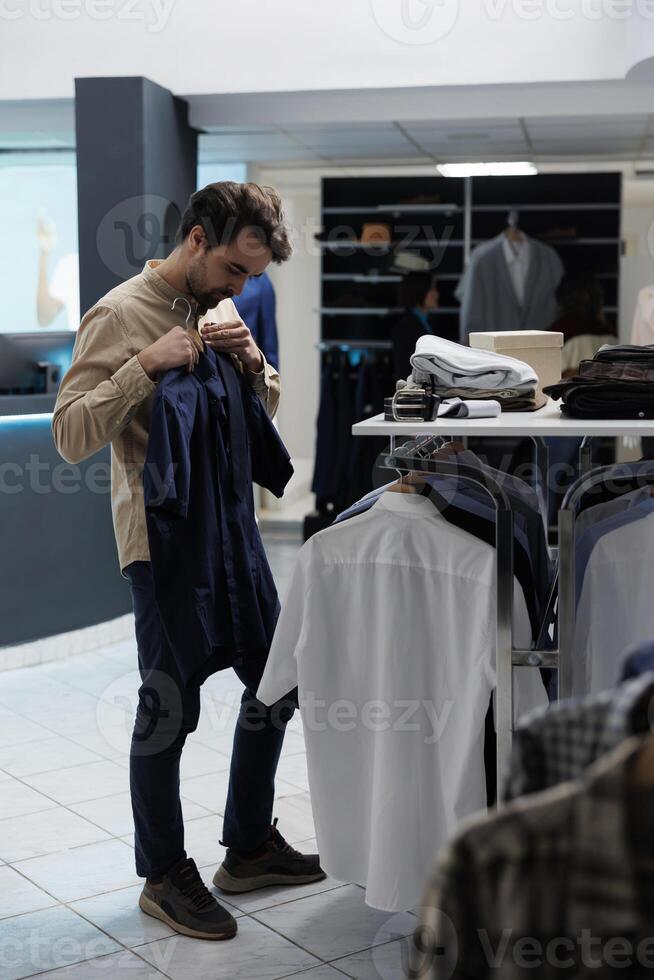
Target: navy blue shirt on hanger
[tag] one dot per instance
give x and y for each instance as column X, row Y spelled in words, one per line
column 210, row 438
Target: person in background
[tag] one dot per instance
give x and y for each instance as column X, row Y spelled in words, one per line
column 418, row 295
column 61, row 292
column 580, row 319
column 257, row 307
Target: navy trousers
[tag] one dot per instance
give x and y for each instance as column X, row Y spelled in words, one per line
column 166, row 713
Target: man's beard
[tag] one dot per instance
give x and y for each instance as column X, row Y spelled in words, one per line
column 196, row 281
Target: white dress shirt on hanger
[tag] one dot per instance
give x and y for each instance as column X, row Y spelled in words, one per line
column 516, row 254
column 388, row 630
column 615, row 608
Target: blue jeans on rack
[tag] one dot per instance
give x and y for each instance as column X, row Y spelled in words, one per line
column 166, row 713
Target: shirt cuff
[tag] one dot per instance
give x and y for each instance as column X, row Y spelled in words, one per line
column 273, row 689
column 134, row 383
column 259, row 379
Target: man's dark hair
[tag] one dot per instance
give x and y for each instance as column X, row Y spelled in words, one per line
column 579, row 294
column 225, row 208
column 414, row 287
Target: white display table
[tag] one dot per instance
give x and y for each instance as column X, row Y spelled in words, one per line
column 547, row 421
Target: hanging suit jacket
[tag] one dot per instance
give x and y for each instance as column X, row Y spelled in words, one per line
column 488, row 298
column 210, row 438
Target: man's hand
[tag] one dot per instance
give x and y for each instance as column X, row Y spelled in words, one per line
column 172, row 350
column 234, row 337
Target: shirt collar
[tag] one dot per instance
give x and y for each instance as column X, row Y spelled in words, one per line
column 158, row 282
column 169, row 293
column 407, row 504
column 515, row 251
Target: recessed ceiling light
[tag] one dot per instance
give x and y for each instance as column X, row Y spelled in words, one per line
column 518, row 169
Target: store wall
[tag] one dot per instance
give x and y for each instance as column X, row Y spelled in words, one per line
column 286, row 46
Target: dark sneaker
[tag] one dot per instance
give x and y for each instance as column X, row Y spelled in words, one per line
column 274, row 863
column 182, row 900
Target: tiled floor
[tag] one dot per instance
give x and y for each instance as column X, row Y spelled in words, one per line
column 68, row 890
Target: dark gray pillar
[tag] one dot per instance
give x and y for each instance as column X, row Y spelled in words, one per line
column 136, row 168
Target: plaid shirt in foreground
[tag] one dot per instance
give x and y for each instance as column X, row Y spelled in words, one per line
column 554, row 744
column 545, row 888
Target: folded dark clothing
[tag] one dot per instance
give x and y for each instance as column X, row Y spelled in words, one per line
column 510, row 399
column 525, row 404
column 522, row 404
column 594, row 398
column 618, row 371
column 497, row 394
column 626, row 352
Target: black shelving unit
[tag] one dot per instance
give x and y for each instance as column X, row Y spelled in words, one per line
column 359, row 290
column 443, row 219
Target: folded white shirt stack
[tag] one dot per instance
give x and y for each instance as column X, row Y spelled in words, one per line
column 456, row 366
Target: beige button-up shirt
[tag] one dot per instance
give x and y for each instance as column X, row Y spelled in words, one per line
column 106, row 396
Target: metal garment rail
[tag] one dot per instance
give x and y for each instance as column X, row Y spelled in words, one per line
column 506, row 656
column 614, row 477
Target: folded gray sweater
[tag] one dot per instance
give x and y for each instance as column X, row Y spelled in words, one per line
column 456, row 366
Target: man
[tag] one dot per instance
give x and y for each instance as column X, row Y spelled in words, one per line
column 228, row 233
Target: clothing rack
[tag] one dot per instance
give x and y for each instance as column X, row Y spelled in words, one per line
column 597, row 478
column 354, row 379
column 506, row 655
column 326, row 345
column 405, row 457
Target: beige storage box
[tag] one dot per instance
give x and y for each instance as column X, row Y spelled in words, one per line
column 540, row 349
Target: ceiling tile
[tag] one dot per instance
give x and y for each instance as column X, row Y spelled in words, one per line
column 263, row 156
column 408, row 152
column 248, row 141
column 590, row 128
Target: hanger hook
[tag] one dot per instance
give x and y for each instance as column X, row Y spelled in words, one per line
column 183, row 299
